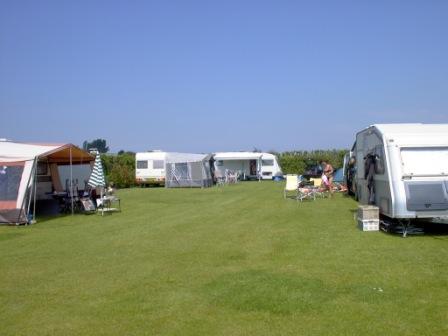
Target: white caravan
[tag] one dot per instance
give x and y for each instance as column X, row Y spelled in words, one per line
column 403, row 169
column 269, row 166
column 173, row 169
column 248, row 164
column 150, row 167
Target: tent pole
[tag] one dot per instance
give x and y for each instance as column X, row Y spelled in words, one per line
column 30, row 193
column 35, row 188
column 71, row 180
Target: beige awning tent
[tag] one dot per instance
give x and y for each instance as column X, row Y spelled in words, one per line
column 18, row 167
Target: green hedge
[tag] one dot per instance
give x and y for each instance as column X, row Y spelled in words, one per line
column 297, row 162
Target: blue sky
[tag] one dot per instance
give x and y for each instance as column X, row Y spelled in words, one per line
column 203, row 76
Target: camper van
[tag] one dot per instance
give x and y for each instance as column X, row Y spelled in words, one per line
column 249, row 165
column 150, row 168
column 403, row 169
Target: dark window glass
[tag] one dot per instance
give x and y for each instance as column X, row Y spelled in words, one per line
column 142, row 164
column 267, row 162
column 42, row 168
column 10, row 177
column 158, row 164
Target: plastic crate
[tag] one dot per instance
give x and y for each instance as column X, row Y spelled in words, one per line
column 369, row 224
column 368, row 212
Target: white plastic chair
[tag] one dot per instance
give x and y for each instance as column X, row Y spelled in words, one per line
column 292, row 184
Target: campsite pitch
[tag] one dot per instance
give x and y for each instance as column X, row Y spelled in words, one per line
column 234, row 260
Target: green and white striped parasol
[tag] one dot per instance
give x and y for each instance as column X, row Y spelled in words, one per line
column 97, row 177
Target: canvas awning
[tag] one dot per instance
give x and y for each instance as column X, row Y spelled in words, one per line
column 237, row 156
column 186, row 157
column 18, row 166
column 60, row 153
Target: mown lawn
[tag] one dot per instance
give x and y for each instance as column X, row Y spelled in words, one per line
column 237, row 260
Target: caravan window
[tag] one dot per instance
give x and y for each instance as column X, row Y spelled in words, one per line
column 10, row 177
column 267, row 162
column 424, row 160
column 219, row 163
column 158, row 164
column 142, row 164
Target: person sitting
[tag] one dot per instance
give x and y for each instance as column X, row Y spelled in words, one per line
column 110, row 189
column 328, row 174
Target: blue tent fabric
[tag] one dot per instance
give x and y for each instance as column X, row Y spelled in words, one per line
column 338, row 175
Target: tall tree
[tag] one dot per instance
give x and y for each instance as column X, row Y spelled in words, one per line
column 98, row 144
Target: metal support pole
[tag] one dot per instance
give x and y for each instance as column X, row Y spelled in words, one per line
column 71, row 180
column 35, row 189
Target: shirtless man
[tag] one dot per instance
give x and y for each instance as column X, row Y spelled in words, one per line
column 329, row 172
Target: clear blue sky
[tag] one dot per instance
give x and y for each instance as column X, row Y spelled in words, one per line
column 219, row 75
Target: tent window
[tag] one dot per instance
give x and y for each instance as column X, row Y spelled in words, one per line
column 157, row 164
column 182, row 171
column 142, row 164
column 9, row 182
column 42, row 168
column 267, row 162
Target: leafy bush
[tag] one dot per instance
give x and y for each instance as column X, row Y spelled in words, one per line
column 119, row 169
column 297, row 162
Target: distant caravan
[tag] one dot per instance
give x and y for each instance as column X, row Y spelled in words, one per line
column 270, row 167
column 402, row 169
column 173, row 170
column 150, row 168
column 249, row 165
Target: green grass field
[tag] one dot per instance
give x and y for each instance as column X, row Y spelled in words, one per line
column 236, row 260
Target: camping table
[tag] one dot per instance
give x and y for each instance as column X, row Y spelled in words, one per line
column 60, row 197
column 105, row 204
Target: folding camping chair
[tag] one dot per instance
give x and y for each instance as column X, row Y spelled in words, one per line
column 305, row 192
column 232, row 177
column 318, row 189
column 220, row 179
column 292, row 184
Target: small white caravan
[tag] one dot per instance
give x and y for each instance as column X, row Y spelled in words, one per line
column 249, row 165
column 403, row 169
column 150, row 167
column 270, row 166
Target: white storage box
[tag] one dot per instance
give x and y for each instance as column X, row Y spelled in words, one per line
column 368, row 212
column 369, row 224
